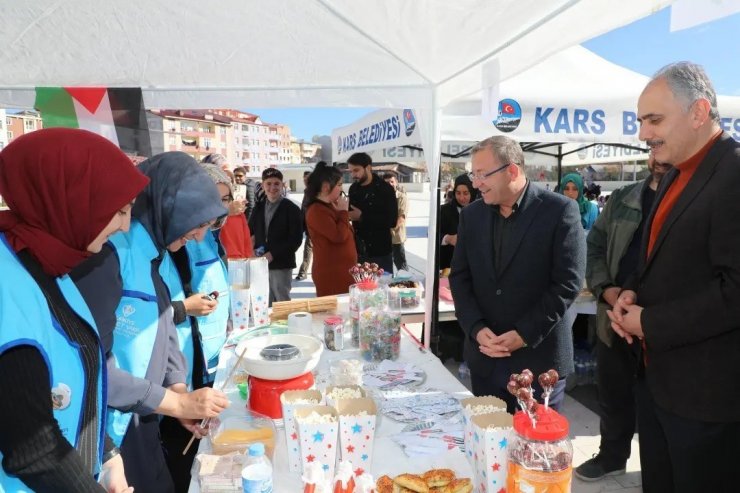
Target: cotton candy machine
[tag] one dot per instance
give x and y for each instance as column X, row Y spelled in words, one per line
column 277, row 363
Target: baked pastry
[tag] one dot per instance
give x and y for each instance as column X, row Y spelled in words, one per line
column 464, row 485
column 438, row 477
column 400, row 489
column 384, row 484
column 412, row 482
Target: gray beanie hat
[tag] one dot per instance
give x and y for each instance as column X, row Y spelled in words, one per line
column 217, row 175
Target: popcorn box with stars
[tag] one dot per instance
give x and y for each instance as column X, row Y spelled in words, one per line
column 490, row 443
column 240, row 308
column 259, row 285
column 292, row 400
column 333, row 390
column 259, row 309
column 318, row 440
column 472, row 407
column 357, row 420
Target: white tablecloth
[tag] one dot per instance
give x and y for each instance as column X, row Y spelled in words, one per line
column 388, row 456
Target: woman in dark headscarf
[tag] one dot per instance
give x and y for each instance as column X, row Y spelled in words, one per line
column 463, row 194
column 571, row 185
column 68, row 191
column 147, row 368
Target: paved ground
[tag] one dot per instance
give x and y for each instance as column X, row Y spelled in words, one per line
column 583, row 421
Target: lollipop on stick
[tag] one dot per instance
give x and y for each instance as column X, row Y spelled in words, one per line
column 547, row 381
column 365, row 272
column 520, row 386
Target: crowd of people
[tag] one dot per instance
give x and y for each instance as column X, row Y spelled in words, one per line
column 115, row 300
column 661, row 259
column 115, row 297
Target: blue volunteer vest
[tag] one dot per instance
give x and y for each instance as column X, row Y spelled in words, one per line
column 208, row 274
column 137, row 315
column 26, row 320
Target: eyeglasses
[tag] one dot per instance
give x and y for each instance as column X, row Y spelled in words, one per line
column 215, row 224
column 219, row 222
column 482, row 177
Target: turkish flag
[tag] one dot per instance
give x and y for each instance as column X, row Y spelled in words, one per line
column 507, row 108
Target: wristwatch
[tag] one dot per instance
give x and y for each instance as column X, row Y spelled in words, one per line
column 110, row 454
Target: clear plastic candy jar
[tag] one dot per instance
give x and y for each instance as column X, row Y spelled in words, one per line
column 364, row 294
column 540, row 453
column 380, row 331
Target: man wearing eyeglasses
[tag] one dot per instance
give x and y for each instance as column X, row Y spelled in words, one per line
column 518, row 265
column 240, row 178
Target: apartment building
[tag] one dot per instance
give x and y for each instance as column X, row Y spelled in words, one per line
column 302, row 152
column 4, row 122
column 21, row 123
column 195, row 132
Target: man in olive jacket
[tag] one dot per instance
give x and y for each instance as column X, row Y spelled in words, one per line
column 613, row 247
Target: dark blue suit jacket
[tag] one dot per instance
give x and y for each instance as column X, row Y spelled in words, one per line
column 542, row 272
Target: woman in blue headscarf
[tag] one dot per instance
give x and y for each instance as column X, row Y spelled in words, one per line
column 572, row 186
column 147, row 370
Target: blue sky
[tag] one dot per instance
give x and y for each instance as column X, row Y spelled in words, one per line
column 643, row 46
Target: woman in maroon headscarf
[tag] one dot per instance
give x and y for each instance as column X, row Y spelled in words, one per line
column 67, row 191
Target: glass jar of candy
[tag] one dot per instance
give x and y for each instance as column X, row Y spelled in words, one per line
column 365, row 294
column 334, row 333
column 540, row 452
column 380, row 328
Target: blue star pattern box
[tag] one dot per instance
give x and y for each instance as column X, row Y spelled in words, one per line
column 318, row 434
column 292, row 400
column 357, row 423
column 491, row 435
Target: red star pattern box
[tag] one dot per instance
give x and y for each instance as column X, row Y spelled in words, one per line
column 473, row 406
column 318, row 435
column 292, row 400
column 490, row 445
column 357, row 423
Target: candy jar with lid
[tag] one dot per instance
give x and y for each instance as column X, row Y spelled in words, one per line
column 540, row 452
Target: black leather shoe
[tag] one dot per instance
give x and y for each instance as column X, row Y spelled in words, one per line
column 300, row 277
column 595, row 469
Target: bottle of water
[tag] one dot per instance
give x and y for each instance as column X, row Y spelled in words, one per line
column 257, row 475
column 463, row 372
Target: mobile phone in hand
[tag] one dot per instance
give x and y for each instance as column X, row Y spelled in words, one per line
column 212, row 296
column 240, row 192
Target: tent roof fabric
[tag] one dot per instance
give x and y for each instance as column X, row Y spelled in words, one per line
column 241, row 53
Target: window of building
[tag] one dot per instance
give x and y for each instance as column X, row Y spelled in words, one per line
column 245, row 128
column 173, row 140
column 30, row 124
column 222, row 130
column 10, row 136
column 207, row 143
column 7, row 121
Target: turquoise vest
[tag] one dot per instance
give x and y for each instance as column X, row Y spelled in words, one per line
column 208, row 274
column 25, row 320
column 137, row 315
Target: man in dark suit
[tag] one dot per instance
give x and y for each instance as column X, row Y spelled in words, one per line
column 518, row 265
column 684, row 302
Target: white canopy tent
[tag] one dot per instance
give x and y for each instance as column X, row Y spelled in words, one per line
column 573, row 96
column 293, row 53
